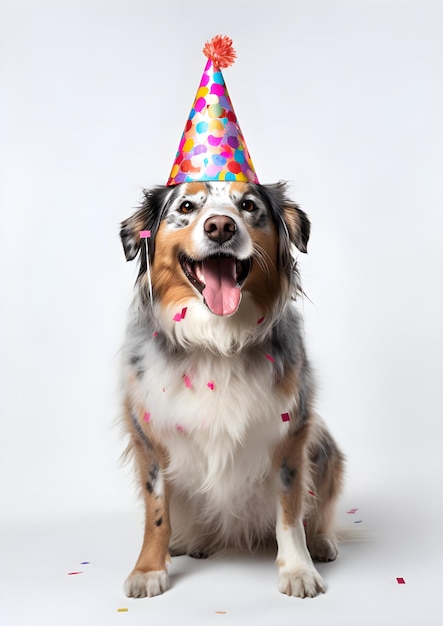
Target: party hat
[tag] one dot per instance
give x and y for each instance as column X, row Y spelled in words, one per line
column 212, row 146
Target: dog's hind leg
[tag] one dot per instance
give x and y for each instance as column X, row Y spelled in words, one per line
column 327, row 472
column 149, row 576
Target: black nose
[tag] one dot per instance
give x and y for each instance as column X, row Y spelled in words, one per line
column 220, row 228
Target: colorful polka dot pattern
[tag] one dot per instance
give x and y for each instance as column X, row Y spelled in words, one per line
column 212, row 146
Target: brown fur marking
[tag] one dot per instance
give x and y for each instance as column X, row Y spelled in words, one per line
column 264, row 285
column 169, row 282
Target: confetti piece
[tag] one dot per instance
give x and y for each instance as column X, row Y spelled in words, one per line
column 154, row 334
column 147, row 417
column 285, row 417
column 270, row 358
column 358, row 521
column 164, row 390
column 220, row 612
column 123, row 610
column 401, row 581
column 178, row 317
column 211, row 386
column 180, row 428
column 311, row 493
column 145, row 234
column 352, row 511
column 74, row 573
column 85, row 563
column 187, row 381
column 260, row 320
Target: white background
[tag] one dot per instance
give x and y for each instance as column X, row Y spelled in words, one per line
column 344, row 99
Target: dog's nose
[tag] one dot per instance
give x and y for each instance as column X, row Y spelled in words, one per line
column 220, row 228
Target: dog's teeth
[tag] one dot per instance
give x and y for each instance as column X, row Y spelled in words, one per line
column 199, row 275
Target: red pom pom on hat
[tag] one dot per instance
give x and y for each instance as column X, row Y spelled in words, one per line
column 220, row 51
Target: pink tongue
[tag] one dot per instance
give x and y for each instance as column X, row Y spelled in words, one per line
column 222, row 295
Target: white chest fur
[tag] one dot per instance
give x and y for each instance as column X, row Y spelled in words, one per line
column 219, row 418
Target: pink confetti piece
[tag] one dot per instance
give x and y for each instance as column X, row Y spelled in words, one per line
column 270, row 358
column 187, row 381
column 401, row 581
column 164, row 390
column 352, row 511
column 180, row 428
column 178, row 317
column 74, row 573
column 211, row 386
column 285, row 417
column 155, row 333
column 145, row 234
column 311, row 493
column 147, row 416
column 260, row 320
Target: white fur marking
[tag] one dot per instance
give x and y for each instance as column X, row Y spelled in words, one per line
column 149, row 584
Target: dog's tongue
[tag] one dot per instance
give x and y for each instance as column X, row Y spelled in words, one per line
column 222, row 294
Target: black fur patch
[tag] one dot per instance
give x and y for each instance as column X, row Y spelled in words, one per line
column 321, row 455
column 287, row 475
column 141, row 435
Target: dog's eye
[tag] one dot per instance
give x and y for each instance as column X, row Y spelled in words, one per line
column 186, row 207
column 248, row 205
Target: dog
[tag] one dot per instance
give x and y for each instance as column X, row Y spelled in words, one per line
column 218, row 394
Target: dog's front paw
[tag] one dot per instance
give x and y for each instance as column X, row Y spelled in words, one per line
column 302, row 582
column 146, row 584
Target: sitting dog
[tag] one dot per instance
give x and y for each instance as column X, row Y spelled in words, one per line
column 218, row 391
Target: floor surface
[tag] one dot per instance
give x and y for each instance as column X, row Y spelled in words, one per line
column 70, row 571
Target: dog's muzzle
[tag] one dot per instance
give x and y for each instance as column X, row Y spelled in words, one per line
column 219, row 278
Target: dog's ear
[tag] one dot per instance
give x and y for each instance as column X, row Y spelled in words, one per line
column 287, row 214
column 298, row 225
column 130, row 233
column 147, row 217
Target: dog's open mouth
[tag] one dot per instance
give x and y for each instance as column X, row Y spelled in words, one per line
column 219, row 279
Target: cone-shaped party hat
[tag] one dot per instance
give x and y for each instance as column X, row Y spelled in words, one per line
column 212, row 146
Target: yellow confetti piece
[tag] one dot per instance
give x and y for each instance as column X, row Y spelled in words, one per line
column 122, row 610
